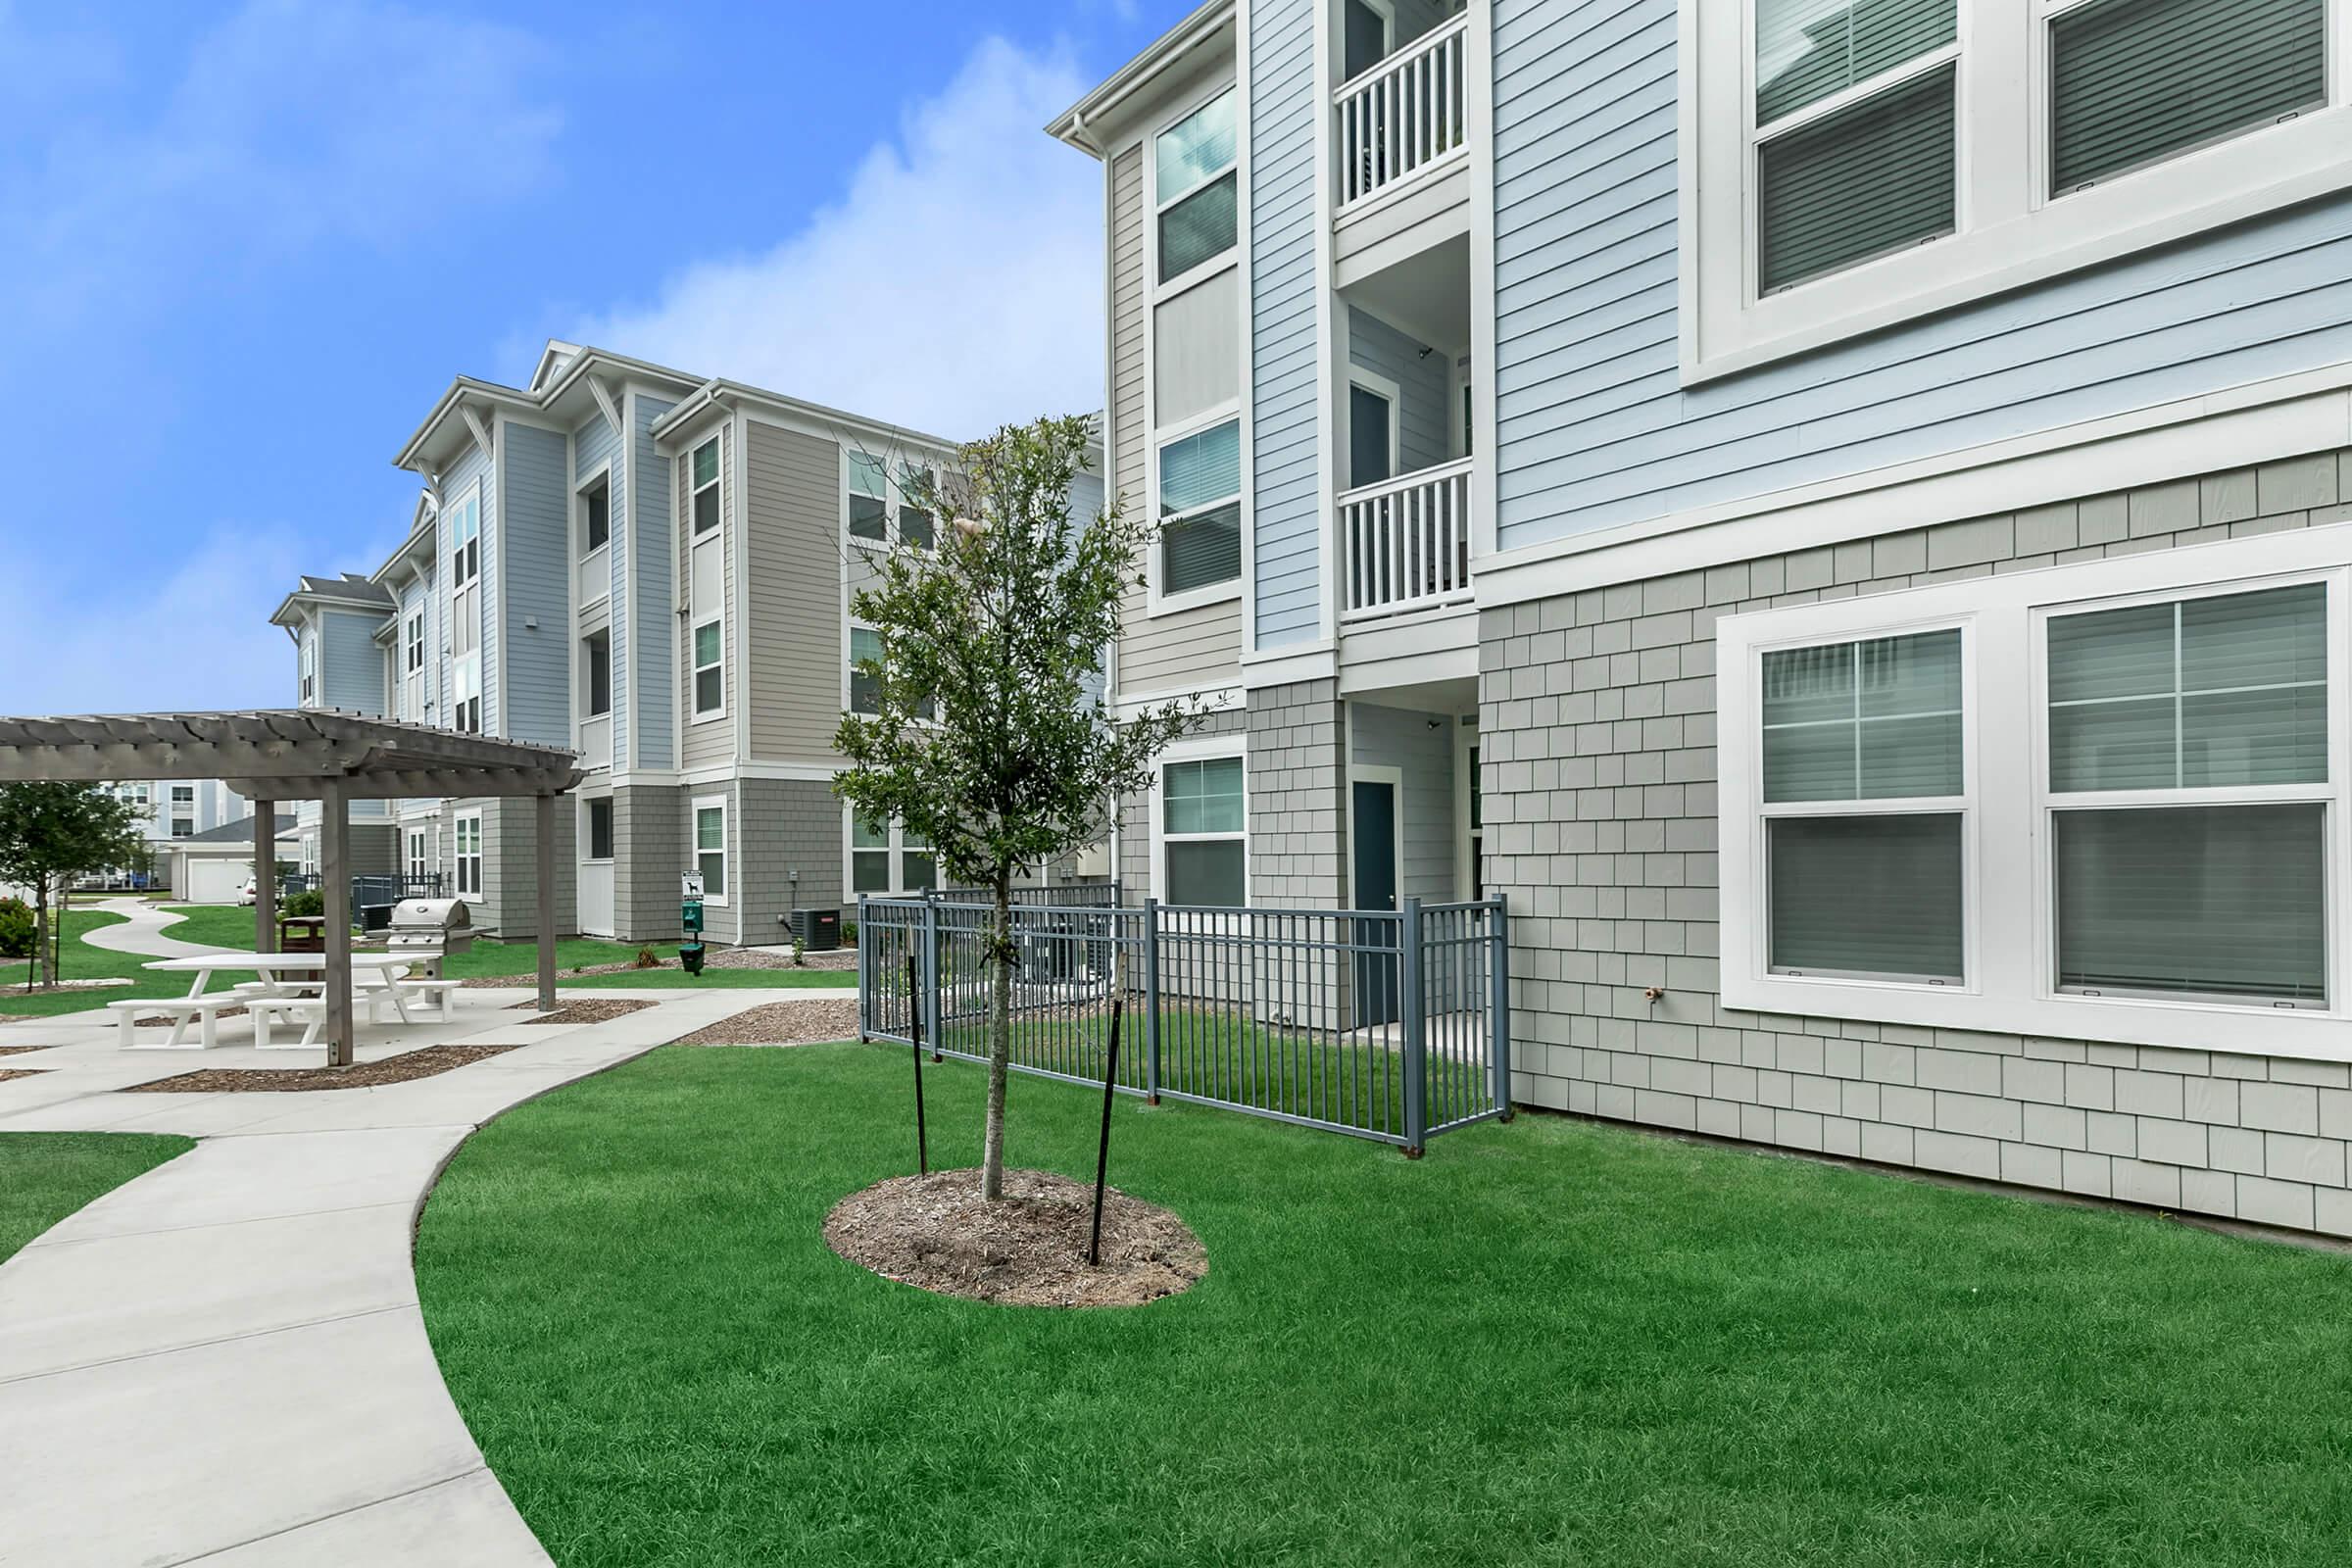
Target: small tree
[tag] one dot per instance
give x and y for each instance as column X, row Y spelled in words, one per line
column 51, row 833
column 986, row 733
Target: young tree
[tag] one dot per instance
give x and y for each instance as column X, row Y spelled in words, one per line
column 986, row 733
column 51, row 833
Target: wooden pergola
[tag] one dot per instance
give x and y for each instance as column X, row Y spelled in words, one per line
column 329, row 756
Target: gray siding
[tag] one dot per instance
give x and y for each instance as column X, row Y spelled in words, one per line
column 649, row 836
column 1420, row 373
column 1395, row 737
column 462, row 474
column 1593, row 424
column 535, row 583
column 653, row 605
column 351, row 667
column 1599, row 732
column 792, row 644
column 1283, row 345
column 708, row 739
column 789, row 826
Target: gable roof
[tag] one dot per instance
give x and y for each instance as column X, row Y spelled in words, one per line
column 238, row 832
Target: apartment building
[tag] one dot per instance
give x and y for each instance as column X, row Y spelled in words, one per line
column 177, row 809
column 652, row 568
column 1836, row 512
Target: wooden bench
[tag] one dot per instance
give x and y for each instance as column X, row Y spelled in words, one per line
column 205, row 1011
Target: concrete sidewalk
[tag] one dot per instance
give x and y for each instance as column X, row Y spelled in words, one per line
column 142, row 931
column 224, row 1360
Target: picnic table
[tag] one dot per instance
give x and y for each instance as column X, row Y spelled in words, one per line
column 289, row 983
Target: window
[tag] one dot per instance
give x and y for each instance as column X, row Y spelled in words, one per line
column 597, row 517
column 465, row 694
column 1195, row 188
column 709, row 680
column 469, row 855
column 916, row 487
column 2195, row 736
column 1365, row 30
column 596, row 828
column 183, row 827
column 1203, row 858
column 466, row 542
column 917, row 870
column 597, row 652
column 418, row 864
column 2095, row 802
column 1201, row 510
column 309, row 658
column 889, row 860
column 183, row 795
column 1371, row 429
column 710, row 846
column 869, row 499
column 865, row 661
column 704, row 486
column 1859, row 163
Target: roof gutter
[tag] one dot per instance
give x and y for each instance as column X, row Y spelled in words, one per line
column 1138, row 74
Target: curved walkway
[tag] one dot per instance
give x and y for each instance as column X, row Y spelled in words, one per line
column 223, row 1361
column 142, row 931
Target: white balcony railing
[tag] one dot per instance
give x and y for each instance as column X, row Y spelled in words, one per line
column 1402, row 115
column 1407, row 541
column 594, row 578
column 596, row 741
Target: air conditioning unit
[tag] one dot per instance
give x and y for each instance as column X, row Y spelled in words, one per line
column 819, row 930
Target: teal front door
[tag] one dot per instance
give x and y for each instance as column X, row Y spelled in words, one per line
column 1375, row 864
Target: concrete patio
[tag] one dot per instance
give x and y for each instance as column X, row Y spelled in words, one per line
column 223, row 1361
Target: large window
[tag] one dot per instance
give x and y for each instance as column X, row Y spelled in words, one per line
column 309, row 657
column 702, row 486
column 1196, row 187
column 865, row 663
column 709, row 674
column 470, row 856
column 869, row 499
column 1861, row 161
column 879, row 491
column 465, row 694
column 595, row 517
column 889, row 860
column 1201, row 510
column 2101, row 801
column 1204, row 824
column 711, row 845
column 596, row 829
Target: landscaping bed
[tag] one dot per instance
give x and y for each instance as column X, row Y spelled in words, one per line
column 428, row 1062
column 782, row 1023
column 588, row 1009
column 18, row 1050
column 7, row 1073
column 1550, row 1342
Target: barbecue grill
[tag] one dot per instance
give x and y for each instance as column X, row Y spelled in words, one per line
column 429, row 930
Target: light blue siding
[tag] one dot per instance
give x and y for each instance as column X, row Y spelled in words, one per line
column 535, row 578
column 591, row 444
column 1593, row 428
column 1421, row 375
column 1283, row 98
column 351, row 667
column 418, row 595
column 462, row 474
column 653, row 737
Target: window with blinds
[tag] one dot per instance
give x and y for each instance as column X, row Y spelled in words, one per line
column 1875, row 888
column 2223, row 893
column 1203, row 818
column 2133, row 82
column 1196, row 186
column 1841, row 178
column 1200, row 509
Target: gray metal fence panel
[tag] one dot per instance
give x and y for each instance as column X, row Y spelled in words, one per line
column 1377, row 1023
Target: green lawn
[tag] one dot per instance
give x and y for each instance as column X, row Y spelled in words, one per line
column 1550, row 1342
column 46, row 1176
column 226, row 926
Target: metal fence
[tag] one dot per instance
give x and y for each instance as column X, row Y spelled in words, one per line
column 1072, row 894
column 1385, row 1024
column 368, row 887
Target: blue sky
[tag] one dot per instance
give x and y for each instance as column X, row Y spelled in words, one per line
column 246, row 246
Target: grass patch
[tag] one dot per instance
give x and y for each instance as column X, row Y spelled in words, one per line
column 1549, row 1343
column 80, row 961
column 46, row 1176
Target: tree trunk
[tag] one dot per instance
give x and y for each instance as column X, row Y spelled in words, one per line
column 57, row 944
column 999, row 1046
column 46, row 961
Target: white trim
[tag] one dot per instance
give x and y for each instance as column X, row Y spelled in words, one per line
column 1465, row 870
column 1380, row 386
column 2009, row 233
column 1155, row 602
column 459, row 856
column 2237, row 427
column 1245, row 314
column 2009, row 987
column 1167, row 287
column 894, row 849
column 726, row 849
column 697, row 714
column 1199, row 749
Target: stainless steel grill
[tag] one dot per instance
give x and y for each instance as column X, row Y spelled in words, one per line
column 429, row 929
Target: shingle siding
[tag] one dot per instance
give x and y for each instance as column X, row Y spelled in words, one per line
column 1598, row 730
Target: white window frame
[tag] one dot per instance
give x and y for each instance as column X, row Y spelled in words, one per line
column 307, row 658
column 896, row 849
column 848, row 664
column 465, row 671
column 1206, row 749
column 418, row 862
column 2010, row 232
column 716, row 481
column 469, row 828
column 588, row 804
column 2009, row 986
column 1198, row 272
column 1156, row 600
column 696, row 713
column 599, row 478
column 725, row 851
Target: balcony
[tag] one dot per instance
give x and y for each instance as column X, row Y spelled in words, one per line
column 593, row 578
column 1407, row 543
column 1401, row 122
column 596, row 742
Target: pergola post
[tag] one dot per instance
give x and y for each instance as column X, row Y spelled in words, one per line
column 546, row 865
column 335, row 875
column 265, row 876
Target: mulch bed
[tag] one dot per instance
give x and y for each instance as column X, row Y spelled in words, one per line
column 18, row 1050
column 1028, row 1249
column 782, row 1023
column 6, row 1073
column 588, row 1010
column 845, row 961
column 401, row 1069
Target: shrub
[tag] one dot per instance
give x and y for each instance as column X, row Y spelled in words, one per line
column 16, row 929
column 310, row 900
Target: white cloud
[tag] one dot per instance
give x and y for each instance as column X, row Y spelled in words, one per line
column 198, row 638
column 957, row 284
